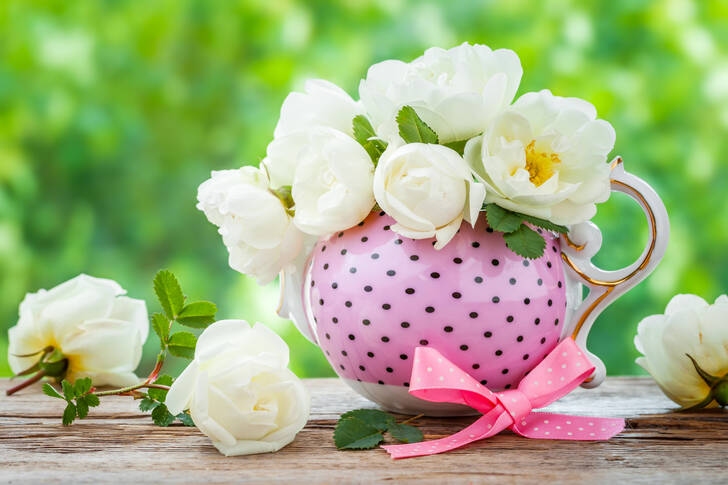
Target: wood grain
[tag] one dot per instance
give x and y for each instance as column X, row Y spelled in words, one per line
column 117, row 443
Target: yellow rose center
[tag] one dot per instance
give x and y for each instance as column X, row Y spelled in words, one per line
column 540, row 165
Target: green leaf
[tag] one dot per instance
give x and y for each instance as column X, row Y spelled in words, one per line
column 373, row 417
column 67, row 390
column 458, row 146
column 198, row 314
column 365, row 135
column 81, row 386
column 169, row 293
column 525, row 242
column 81, row 407
column 50, row 391
column 501, row 219
column 405, row 433
column 412, row 129
column 182, row 344
column 161, row 416
column 160, row 325
column 543, row 223
column 355, row 434
column 160, row 394
column 92, row 400
column 146, row 405
column 69, row 414
column 185, row 419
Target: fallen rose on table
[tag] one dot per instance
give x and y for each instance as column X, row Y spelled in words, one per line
column 237, row 390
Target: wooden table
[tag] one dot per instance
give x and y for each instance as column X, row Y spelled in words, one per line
column 119, row 444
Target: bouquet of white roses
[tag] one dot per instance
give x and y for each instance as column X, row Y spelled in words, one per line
column 432, row 143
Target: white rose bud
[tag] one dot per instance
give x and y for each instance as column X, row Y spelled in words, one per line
column 428, row 189
column 545, row 156
column 331, row 175
column 456, row 91
column 99, row 331
column 254, row 223
column 239, row 390
column 690, row 326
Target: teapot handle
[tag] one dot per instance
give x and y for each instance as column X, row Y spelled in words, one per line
column 582, row 243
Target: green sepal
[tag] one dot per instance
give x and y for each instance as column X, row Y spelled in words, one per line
column 54, row 365
column 30, row 370
column 412, row 129
column 525, row 242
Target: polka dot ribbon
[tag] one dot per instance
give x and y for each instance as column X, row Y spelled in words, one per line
column 436, row 379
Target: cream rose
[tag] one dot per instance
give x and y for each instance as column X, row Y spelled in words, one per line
column 545, row 156
column 99, row 331
column 457, row 92
column 321, row 104
column 239, row 390
column 689, row 326
column 428, row 189
column 255, row 225
column 331, row 176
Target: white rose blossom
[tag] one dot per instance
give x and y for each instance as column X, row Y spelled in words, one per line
column 428, row 189
column 239, row 389
column 97, row 329
column 254, row 223
column 689, row 326
column 545, row 156
column 456, row 91
column 321, row 104
column 331, row 176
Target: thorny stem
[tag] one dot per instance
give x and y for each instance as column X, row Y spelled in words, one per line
column 38, row 376
column 124, row 390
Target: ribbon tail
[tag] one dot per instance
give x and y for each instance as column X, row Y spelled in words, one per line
column 563, row 427
column 491, row 423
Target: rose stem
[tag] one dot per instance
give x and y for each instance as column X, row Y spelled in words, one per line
column 38, row 376
column 412, row 419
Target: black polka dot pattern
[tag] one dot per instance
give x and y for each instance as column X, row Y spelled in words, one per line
column 377, row 296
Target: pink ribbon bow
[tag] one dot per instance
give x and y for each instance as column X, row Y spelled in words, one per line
column 436, row 379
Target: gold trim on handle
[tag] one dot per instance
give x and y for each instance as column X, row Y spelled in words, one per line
column 610, row 285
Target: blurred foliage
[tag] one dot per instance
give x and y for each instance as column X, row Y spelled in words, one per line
column 112, row 113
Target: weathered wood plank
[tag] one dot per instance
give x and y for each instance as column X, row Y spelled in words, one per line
column 117, row 443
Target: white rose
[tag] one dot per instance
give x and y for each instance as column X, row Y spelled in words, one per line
column 331, row 176
column 689, row 326
column 455, row 91
column 87, row 319
column 239, row 390
column 322, row 104
column 254, row 223
column 428, row 189
column 545, row 156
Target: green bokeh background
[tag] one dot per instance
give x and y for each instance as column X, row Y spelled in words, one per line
column 113, row 112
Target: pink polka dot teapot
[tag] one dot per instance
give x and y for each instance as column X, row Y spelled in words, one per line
column 369, row 296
